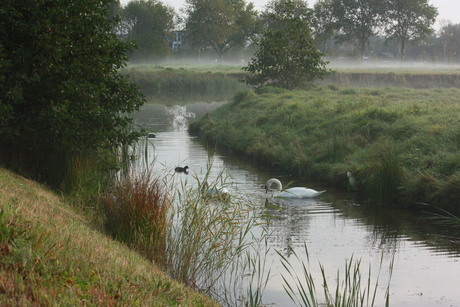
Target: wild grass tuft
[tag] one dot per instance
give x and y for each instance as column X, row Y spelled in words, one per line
column 198, row 240
column 444, row 218
column 137, row 209
column 381, row 173
column 351, row 290
column 207, row 235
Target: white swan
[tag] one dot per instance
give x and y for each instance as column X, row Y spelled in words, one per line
column 275, row 185
column 352, row 181
column 221, row 193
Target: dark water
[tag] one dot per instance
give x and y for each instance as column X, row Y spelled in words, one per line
column 334, row 227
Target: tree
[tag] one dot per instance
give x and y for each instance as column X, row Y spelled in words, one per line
column 287, row 56
column 324, row 22
column 149, row 23
column 449, row 35
column 278, row 10
column 357, row 21
column 220, row 24
column 61, row 92
column 408, row 21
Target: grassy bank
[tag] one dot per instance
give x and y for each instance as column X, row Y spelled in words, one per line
column 408, row 79
column 401, row 146
column 51, row 255
column 173, row 84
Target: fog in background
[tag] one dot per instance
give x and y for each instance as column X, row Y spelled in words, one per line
column 448, row 9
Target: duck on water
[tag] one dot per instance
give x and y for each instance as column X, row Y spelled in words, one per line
column 180, row 169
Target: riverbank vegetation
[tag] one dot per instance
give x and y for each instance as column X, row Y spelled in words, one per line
column 62, row 97
column 171, row 83
column 52, row 254
column 196, row 238
column 400, row 145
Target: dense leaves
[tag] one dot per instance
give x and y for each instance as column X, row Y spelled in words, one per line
column 219, row 24
column 324, row 22
column 287, row 56
column 149, row 23
column 358, row 20
column 61, row 94
column 409, row 21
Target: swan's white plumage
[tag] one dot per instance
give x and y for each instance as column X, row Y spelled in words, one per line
column 275, row 185
column 215, row 192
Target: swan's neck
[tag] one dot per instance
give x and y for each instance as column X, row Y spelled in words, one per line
column 274, row 185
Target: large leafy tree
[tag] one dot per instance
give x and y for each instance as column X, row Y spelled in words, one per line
column 61, row 93
column 148, row 22
column 408, row 21
column 220, row 24
column 358, row 20
column 324, row 22
column 287, row 56
column 449, row 36
column 277, row 11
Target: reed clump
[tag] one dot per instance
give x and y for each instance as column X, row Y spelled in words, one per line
column 195, row 237
column 401, row 145
column 136, row 211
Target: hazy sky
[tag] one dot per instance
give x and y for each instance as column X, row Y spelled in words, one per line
column 448, row 9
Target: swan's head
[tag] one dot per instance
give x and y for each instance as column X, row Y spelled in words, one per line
column 273, row 184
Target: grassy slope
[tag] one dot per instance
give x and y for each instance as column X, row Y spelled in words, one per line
column 50, row 255
column 402, row 145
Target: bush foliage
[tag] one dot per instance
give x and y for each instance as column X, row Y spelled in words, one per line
column 61, row 94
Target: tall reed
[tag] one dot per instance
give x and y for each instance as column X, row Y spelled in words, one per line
column 244, row 282
column 198, row 240
column 351, row 290
column 207, row 234
column 137, row 214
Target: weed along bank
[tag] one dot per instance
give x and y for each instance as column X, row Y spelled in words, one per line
column 401, row 145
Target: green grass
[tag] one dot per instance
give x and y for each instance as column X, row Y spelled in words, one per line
column 402, row 145
column 51, row 255
column 169, row 85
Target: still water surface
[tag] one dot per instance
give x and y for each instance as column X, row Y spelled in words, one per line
column 334, row 227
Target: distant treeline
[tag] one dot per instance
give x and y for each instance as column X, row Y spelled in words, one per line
column 375, row 29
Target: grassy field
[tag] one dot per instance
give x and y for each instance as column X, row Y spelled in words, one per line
column 402, row 146
column 51, row 255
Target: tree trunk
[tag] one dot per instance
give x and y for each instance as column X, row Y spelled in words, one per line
column 403, row 50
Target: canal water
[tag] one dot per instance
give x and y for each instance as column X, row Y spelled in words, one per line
column 334, row 227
